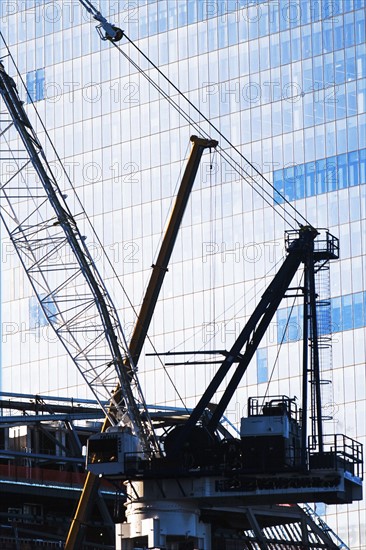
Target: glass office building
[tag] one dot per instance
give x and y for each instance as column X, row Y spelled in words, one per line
column 285, row 82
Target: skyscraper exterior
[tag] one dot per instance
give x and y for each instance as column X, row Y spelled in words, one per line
column 281, row 84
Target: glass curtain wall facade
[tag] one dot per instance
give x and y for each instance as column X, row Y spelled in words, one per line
column 285, row 83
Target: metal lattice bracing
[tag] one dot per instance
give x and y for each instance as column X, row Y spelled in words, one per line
column 62, row 272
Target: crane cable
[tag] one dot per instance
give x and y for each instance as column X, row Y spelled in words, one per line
column 249, row 178
column 256, row 289
column 98, row 240
column 235, row 165
column 221, row 151
column 196, row 125
column 281, row 344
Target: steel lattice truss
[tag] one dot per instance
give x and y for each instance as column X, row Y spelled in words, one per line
column 62, row 272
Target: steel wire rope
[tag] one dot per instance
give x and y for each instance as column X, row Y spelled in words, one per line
column 16, row 220
column 213, row 207
column 219, row 149
column 89, row 221
column 63, row 169
column 154, row 260
column 258, row 291
column 195, row 125
column 141, row 71
column 281, row 344
column 173, row 197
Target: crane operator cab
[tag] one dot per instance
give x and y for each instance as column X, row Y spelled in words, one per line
column 271, row 434
column 106, row 451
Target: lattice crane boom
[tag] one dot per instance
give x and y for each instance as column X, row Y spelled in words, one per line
column 65, row 278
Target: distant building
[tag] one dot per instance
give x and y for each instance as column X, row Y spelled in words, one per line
column 285, row 83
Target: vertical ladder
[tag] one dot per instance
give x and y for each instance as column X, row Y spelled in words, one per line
column 324, row 340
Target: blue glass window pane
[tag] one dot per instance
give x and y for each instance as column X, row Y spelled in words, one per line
column 285, row 16
column 362, row 160
column 341, row 106
column 339, row 68
column 319, row 107
column 332, row 173
column 279, row 186
column 347, row 312
column 336, row 315
column 338, row 33
column 349, row 30
column 275, row 50
column 222, row 35
column 360, row 27
column 253, row 17
column 232, row 30
column 327, row 38
column 212, row 35
column 276, row 118
column 351, row 98
column 353, row 130
column 205, row 10
column 342, row 171
column 143, row 22
column 353, row 166
column 317, row 39
column 192, row 11
column 264, row 21
column 299, row 181
column 162, row 16
column 330, row 103
column 361, row 95
column 305, row 12
column 287, row 117
column 282, row 335
column 31, row 85
column 318, row 71
column 37, row 318
column 310, row 179
column 306, row 42
column 153, row 19
column 274, row 17
column 361, row 60
column 307, row 75
column 328, row 69
column 35, row 81
column 294, row 328
column 172, row 15
column 321, row 167
column 348, row 5
column 289, row 183
column 295, row 44
column 264, row 57
column 336, row 7
column 315, row 11
column 182, row 14
column 358, row 313
column 341, row 135
column 40, row 84
column 262, row 366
